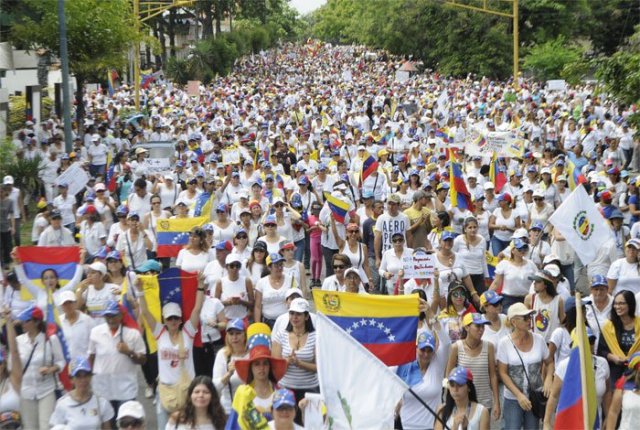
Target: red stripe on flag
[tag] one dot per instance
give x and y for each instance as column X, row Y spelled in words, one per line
column 189, row 289
column 169, row 250
column 49, row 254
column 393, row 354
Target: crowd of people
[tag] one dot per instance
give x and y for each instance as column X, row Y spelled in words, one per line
column 299, row 123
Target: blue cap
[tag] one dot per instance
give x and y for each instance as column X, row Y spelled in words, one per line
column 266, row 165
column 322, row 166
column 448, row 235
column 122, row 210
column 274, row 258
column 208, row 227
column 414, row 172
column 235, row 324
column 114, row 255
column 460, row 375
column 519, row 244
column 270, row 219
column 31, row 313
column 570, row 303
column 111, row 308
column 102, row 253
column 221, row 207
column 599, row 281
column 79, row 364
column 490, row 297
column 426, row 340
column 180, row 163
column 284, row 397
column 536, row 226
column 395, row 169
column 224, row 244
column 420, row 163
column 474, row 318
column 149, row 266
column 303, row 180
column 532, row 169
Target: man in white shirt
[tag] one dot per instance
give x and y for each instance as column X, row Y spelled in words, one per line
column 115, row 351
column 97, row 153
column 55, row 234
column 390, row 222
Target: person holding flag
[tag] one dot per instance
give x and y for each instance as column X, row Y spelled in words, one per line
column 626, row 399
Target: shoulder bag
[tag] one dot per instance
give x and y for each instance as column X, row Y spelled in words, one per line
column 174, row 396
column 536, row 397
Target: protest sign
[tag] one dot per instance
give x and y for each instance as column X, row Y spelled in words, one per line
column 420, row 265
column 75, row 177
column 193, row 88
column 230, row 156
column 503, row 143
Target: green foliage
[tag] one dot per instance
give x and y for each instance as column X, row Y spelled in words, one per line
column 620, row 73
column 548, row 60
column 99, row 33
column 25, row 172
column 17, row 111
column 177, row 70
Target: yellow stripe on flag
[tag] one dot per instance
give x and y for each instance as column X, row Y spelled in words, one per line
column 151, row 291
column 364, row 305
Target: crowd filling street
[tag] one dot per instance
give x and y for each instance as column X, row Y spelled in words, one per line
column 319, row 167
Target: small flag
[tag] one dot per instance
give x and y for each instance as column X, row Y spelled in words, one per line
column 458, row 192
column 180, row 287
column 369, row 166
column 338, row 207
column 54, row 328
column 202, row 203
column 574, row 176
column 173, row 234
column 497, row 173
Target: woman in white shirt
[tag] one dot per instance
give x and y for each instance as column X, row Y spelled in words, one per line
column 175, row 344
column 194, row 257
column 167, row 190
column 270, row 292
column 10, row 379
column 93, row 293
column 234, row 291
column 42, row 359
column 392, row 266
column 93, row 235
column 513, row 275
column 470, row 247
column 225, row 377
column 134, row 243
column 624, row 273
column 503, row 222
column 150, row 220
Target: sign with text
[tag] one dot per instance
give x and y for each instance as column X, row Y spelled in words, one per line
column 503, row 143
column 421, row 265
column 75, row 177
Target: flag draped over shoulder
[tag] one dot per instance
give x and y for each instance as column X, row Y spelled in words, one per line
column 35, row 259
column 151, row 291
column 338, row 207
column 54, row 328
column 385, row 325
column 244, row 415
column 581, row 224
column 574, row 176
column 173, row 234
column 577, row 406
column 369, row 166
column 360, row 392
column 180, row 287
column 458, row 193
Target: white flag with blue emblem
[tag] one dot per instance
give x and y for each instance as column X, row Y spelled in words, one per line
column 581, row 224
column 360, row 392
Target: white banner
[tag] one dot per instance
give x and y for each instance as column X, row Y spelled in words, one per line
column 503, row 143
column 581, row 224
column 361, row 392
column 420, row 265
column 75, row 177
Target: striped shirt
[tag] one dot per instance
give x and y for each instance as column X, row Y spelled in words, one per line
column 296, row 377
column 479, row 366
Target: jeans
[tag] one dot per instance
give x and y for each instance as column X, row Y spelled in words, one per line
column 567, row 272
column 508, row 300
column 96, row 169
column 298, row 254
column 307, row 251
column 327, row 254
column 375, row 288
column 478, row 283
column 628, row 155
column 497, row 245
column 516, row 418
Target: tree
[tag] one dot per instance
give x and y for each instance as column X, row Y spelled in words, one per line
column 621, row 72
column 549, row 59
column 99, row 34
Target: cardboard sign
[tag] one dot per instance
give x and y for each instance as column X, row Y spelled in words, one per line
column 75, row 176
column 193, row 88
column 420, row 265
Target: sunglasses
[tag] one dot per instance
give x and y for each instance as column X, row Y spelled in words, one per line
column 398, row 240
column 353, row 231
column 338, row 267
column 538, row 199
column 269, row 225
column 458, row 294
column 129, row 422
column 279, row 205
column 233, row 266
column 242, row 236
column 173, row 318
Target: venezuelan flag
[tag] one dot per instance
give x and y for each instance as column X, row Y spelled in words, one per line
column 577, row 406
column 54, row 328
column 338, row 207
column 492, row 262
column 180, row 287
column 244, row 414
column 173, row 234
column 385, row 325
column 497, row 174
column 440, row 134
column 112, row 75
column 574, row 176
column 369, row 166
column 202, row 203
column 151, row 291
column 458, row 192
column 36, row 259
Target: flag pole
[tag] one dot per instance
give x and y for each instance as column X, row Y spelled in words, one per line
column 431, row 411
column 580, row 324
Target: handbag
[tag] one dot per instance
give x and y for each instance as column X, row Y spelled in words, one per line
column 536, row 397
column 174, row 396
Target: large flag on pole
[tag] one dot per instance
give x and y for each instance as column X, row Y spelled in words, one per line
column 385, row 325
column 574, row 176
column 577, row 406
column 581, row 224
column 359, row 393
column 458, row 193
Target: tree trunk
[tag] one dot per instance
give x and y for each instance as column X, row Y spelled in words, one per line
column 172, row 32
column 207, row 21
column 158, row 34
column 80, row 80
column 218, row 16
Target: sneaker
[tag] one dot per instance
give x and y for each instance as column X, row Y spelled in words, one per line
column 148, row 392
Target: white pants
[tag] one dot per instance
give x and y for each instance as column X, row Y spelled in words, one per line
column 36, row 413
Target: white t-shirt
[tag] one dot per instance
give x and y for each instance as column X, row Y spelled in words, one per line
column 81, row 416
column 209, row 313
column 237, row 288
column 96, row 300
column 493, row 336
column 273, row 301
column 388, row 225
column 601, row 371
column 472, row 257
column 190, row 262
column 77, row 334
column 562, row 340
column 627, row 274
column 516, row 278
column 168, row 353
column 532, row 359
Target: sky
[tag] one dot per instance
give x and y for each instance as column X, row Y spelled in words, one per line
column 305, row 6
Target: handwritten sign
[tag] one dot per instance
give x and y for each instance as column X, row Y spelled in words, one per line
column 420, row 265
column 193, row 88
column 503, row 143
column 230, row 156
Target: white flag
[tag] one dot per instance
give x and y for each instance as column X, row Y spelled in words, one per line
column 581, row 224
column 360, row 392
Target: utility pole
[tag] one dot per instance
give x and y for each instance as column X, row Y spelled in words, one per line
column 513, row 15
column 66, row 97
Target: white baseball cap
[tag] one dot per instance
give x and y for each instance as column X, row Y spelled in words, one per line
column 66, row 296
column 8, row 180
column 132, row 408
column 299, row 305
column 171, row 309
